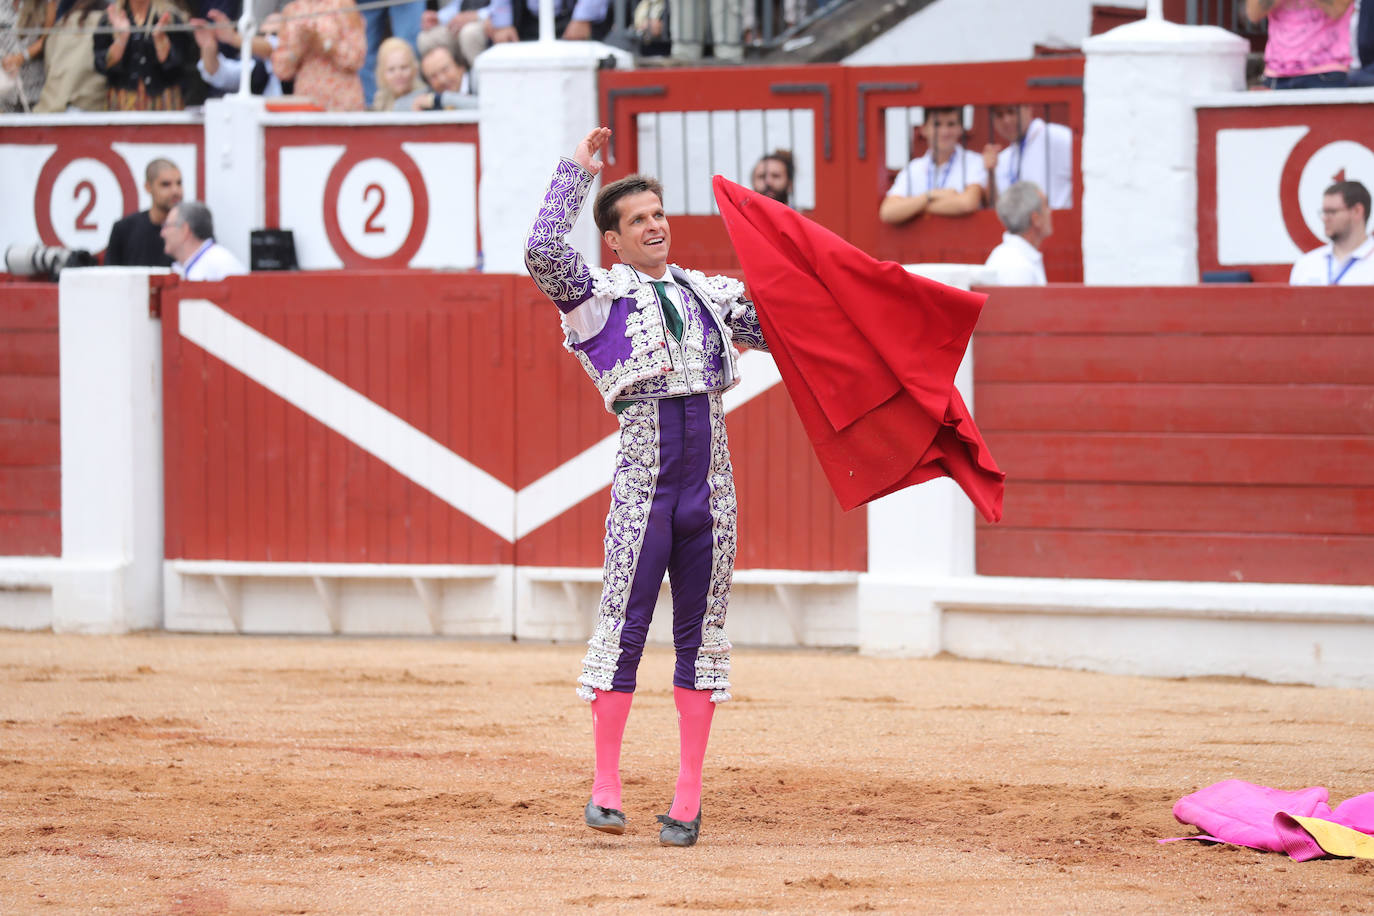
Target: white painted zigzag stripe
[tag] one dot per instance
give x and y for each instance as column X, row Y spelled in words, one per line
column 413, row 454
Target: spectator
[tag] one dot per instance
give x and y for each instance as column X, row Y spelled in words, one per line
column 135, row 240
column 468, row 21
column 1349, row 259
column 447, row 79
column 1035, row 151
column 72, row 82
column 143, row 62
column 773, row 176
column 1364, row 44
column 400, row 21
column 651, row 28
column 321, row 46
column 718, row 23
column 947, row 181
column 22, row 42
column 1025, row 213
column 1309, row 42
column 222, row 71
column 189, row 235
column 573, row 20
column 398, row 77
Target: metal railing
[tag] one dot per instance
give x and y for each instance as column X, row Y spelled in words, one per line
column 728, row 29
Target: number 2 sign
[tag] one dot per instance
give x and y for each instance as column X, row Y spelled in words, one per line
column 375, row 195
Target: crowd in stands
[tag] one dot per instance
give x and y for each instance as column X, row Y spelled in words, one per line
column 138, row 55
column 163, row 55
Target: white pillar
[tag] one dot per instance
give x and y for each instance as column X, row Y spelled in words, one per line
column 538, row 100
column 234, row 169
column 918, row 537
column 111, row 398
column 1140, row 147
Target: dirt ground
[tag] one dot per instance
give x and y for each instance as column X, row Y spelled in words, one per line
column 197, row 775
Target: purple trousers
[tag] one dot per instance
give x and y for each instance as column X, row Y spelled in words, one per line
column 672, row 510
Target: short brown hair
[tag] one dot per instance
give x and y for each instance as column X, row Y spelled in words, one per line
column 606, row 210
column 1352, row 193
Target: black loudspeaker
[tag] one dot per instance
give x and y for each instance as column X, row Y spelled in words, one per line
column 272, row 249
column 1227, row 276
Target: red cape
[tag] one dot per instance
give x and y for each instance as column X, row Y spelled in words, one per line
column 868, row 353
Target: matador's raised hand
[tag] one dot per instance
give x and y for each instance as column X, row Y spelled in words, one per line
column 585, row 154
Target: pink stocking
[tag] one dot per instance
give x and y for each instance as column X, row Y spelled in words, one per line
column 610, row 709
column 694, row 710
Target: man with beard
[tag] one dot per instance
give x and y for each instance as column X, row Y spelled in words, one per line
column 1349, row 259
column 773, row 176
column 136, row 240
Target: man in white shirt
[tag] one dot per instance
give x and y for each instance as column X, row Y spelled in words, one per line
column 1349, row 259
column 1025, row 212
column 947, row 181
column 189, row 236
column 1035, row 151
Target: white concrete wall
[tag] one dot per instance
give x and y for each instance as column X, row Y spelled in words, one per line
column 1140, row 147
column 111, row 357
column 538, row 101
column 960, row 31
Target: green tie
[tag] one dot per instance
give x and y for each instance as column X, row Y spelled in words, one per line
column 670, row 313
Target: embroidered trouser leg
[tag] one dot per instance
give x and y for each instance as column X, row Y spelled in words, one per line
column 672, row 510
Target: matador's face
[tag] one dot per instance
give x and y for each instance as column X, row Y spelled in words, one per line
column 643, row 237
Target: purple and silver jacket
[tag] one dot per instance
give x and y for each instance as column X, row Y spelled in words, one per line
column 613, row 322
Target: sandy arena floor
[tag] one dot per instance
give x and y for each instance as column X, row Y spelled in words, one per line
column 197, row 775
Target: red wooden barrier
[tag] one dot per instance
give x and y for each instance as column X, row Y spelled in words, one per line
column 851, row 177
column 30, row 435
column 1197, row 433
column 473, row 362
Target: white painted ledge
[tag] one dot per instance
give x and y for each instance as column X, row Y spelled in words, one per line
column 354, row 598
column 1264, row 98
column 1309, row 634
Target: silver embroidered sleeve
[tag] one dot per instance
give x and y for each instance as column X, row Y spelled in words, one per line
column 556, row 268
column 745, row 327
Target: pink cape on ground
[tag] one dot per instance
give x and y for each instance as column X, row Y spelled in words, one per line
column 1299, row 823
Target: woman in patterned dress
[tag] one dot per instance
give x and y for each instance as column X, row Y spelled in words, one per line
column 322, row 46
column 21, row 45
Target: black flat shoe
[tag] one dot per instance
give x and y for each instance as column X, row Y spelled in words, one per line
column 678, row 833
column 607, row 820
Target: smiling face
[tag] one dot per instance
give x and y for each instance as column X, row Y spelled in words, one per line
column 943, row 130
column 642, row 238
column 441, row 71
column 398, row 71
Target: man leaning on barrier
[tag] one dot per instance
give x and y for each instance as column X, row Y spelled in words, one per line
column 947, row 181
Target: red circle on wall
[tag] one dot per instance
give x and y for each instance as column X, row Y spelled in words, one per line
column 419, row 221
column 64, row 156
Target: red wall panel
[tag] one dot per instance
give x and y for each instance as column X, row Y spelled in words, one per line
column 850, row 181
column 30, row 435
column 477, row 364
column 1180, row 433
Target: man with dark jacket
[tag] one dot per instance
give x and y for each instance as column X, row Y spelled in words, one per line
column 136, row 240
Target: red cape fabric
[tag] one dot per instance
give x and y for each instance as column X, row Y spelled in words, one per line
column 868, row 353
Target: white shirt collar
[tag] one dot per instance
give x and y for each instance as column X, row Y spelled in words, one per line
column 1023, row 247
column 666, row 278
column 204, row 247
